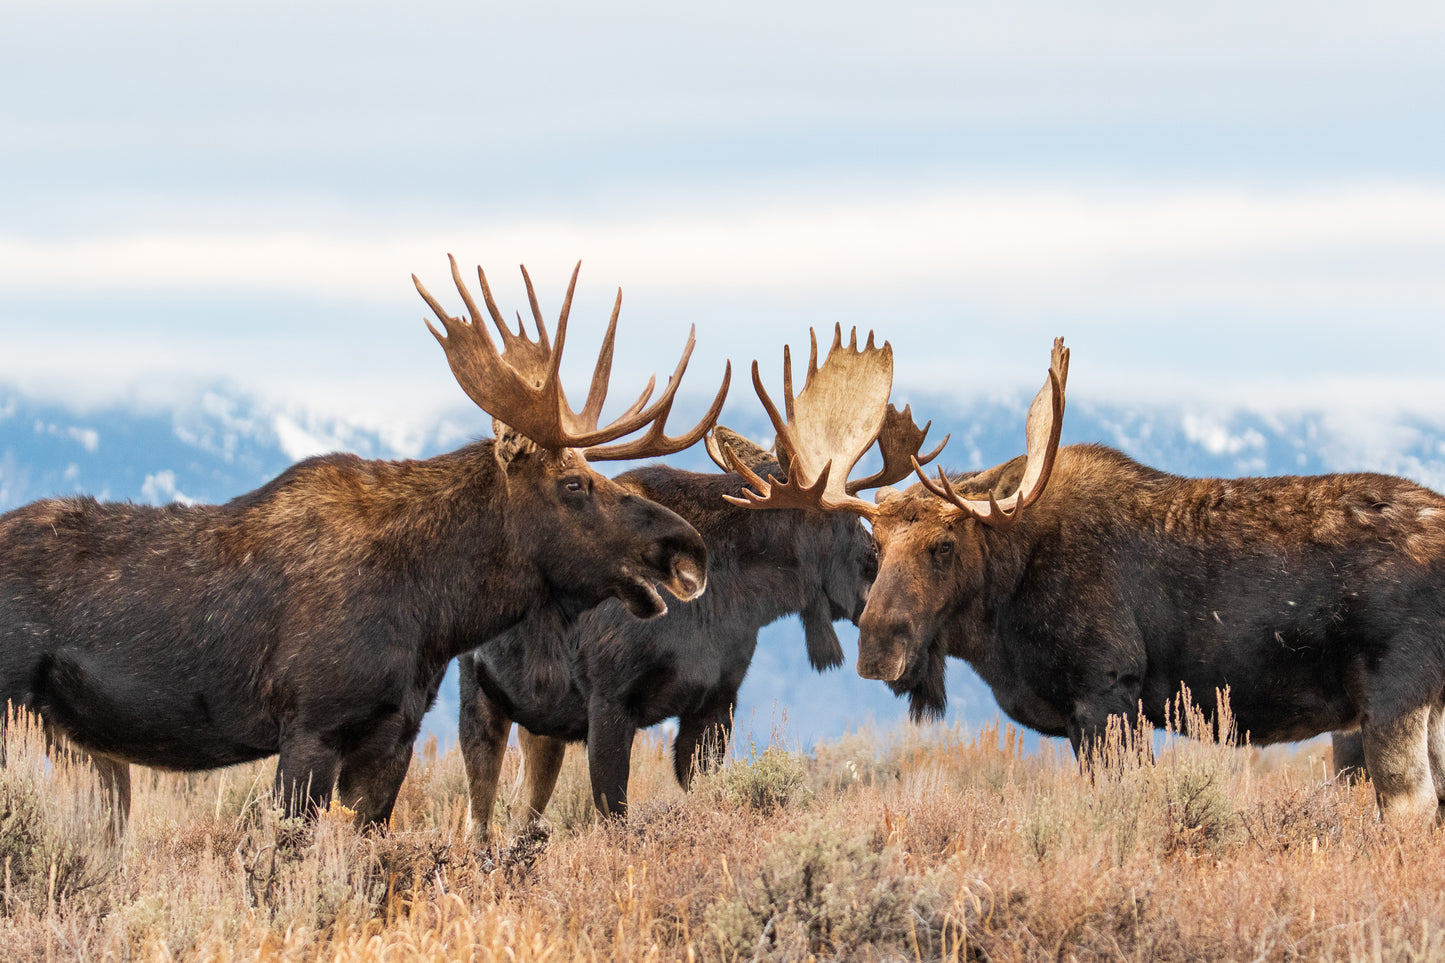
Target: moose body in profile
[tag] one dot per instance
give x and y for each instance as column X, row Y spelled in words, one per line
column 1082, row 585
column 314, row 617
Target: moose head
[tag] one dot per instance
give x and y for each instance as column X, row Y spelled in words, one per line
column 590, row 538
column 935, row 539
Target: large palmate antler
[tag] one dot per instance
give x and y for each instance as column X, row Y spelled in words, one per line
column 1045, row 420
column 520, row 385
column 841, row 412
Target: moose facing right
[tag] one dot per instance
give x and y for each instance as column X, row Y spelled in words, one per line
column 1082, row 585
column 313, row 618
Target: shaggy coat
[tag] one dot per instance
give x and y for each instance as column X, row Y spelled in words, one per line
column 313, row 617
column 1318, row 603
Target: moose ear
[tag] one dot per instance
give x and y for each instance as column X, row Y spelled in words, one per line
column 748, row 453
column 824, row 649
column 509, row 444
column 1002, row 480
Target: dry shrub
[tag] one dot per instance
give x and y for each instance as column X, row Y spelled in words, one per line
column 765, row 782
column 54, row 826
column 926, row 843
column 822, row 892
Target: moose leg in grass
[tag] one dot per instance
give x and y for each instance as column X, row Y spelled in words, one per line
column 313, row 618
column 1348, row 751
column 1081, row 585
column 608, row 675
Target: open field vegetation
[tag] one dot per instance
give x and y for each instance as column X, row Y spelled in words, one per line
column 923, row 844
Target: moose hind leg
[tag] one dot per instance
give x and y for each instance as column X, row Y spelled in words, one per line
column 1347, row 756
column 1436, row 741
column 541, row 765
column 482, row 731
column 115, row 787
column 1397, row 755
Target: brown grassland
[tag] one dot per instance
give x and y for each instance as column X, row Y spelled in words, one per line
column 916, row 845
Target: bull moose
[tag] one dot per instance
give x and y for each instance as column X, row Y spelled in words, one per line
column 609, row 674
column 1082, row 585
column 313, row 618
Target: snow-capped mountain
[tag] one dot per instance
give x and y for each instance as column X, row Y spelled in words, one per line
column 222, row 443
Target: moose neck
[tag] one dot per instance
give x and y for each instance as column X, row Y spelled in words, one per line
column 437, row 530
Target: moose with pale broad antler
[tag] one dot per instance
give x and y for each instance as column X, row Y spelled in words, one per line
column 609, row 674
column 1082, row 586
column 314, row 617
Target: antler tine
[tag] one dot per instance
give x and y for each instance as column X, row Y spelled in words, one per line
column 1043, row 427
column 451, row 324
column 779, row 425
column 656, row 443
column 536, row 308
column 520, row 385
column 994, row 516
column 793, row 493
column 636, row 417
column 772, row 493
column 602, row 374
column 898, row 442
column 714, row 450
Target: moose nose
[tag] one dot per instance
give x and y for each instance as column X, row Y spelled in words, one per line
column 883, row 648
column 688, row 578
column 683, row 556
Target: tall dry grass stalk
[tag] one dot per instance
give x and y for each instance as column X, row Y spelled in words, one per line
column 919, row 844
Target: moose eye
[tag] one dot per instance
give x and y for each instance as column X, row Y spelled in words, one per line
column 574, row 486
column 943, row 549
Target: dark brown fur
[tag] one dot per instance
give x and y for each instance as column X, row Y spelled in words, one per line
column 1318, row 602
column 609, row 674
column 314, row 616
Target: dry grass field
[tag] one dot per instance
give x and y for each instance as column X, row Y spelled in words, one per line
column 916, row 845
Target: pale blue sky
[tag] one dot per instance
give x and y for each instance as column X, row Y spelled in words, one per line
column 1238, row 200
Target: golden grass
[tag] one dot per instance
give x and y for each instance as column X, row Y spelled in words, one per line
column 926, row 843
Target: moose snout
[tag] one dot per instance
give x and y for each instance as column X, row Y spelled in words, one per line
column 689, row 579
column 883, row 647
column 683, row 557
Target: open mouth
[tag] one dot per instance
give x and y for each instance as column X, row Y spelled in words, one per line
column 642, row 595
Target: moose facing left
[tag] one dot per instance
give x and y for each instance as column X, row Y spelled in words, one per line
column 314, row 616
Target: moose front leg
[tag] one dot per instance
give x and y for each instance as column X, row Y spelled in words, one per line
column 369, row 784
column 1108, row 696
column 610, row 732
column 1436, row 740
column 305, row 774
column 702, row 739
